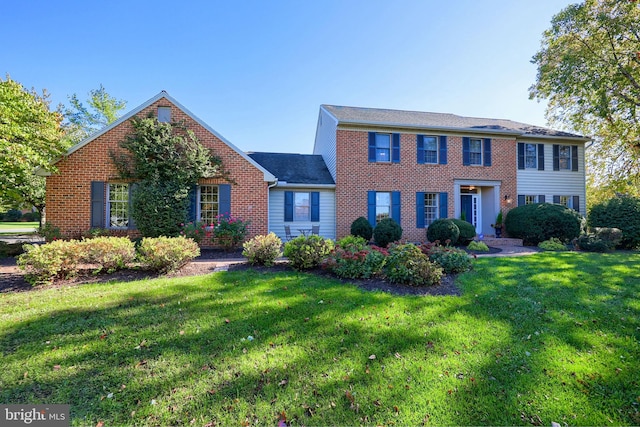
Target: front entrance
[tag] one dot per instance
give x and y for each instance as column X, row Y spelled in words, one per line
column 470, row 207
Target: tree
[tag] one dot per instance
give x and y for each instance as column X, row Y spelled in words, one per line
column 30, row 138
column 164, row 160
column 82, row 121
column 589, row 70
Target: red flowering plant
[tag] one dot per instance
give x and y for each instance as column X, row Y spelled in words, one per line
column 196, row 230
column 229, row 232
column 352, row 258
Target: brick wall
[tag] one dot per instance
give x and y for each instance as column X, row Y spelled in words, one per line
column 355, row 175
column 68, row 196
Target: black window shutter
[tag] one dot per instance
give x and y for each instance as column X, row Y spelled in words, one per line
column 395, row 206
column 444, row 205
column 520, row 200
column 443, row 149
column 466, row 149
column 224, row 199
column 574, row 158
column 371, row 207
column 556, row 157
column 540, row 157
column 395, row 150
column 97, row 204
column 576, row 203
column 288, row 206
column 541, row 198
column 315, row 206
column 487, row 151
column 556, row 199
column 372, row 146
column 420, row 209
column 520, row 155
column 420, row 148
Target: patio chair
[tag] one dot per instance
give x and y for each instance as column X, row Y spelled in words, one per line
column 287, row 232
column 315, row 229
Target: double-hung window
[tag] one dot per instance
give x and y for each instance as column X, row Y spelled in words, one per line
column 564, row 156
column 383, row 206
column 301, row 206
column 430, row 149
column 530, row 156
column 208, row 203
column 383, row 147
column 430, row 208
column 118, row 205
column 475, row 151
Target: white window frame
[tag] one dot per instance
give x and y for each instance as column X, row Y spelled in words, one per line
column 530, row 155
column 119, row 206
column 381, row 206
column 433, row 153
column 530, row 199
column 431, row 212
column 564, row 155
column 566, row 201
column 475, row 157
column 215, row 204
column 383, row 150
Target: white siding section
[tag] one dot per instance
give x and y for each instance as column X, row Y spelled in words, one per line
column 327, row 213
column 554, row 183
column 325, row 143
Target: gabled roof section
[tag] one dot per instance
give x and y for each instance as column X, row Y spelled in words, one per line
column 440, row 121
column 163, row 94
column 301, row 169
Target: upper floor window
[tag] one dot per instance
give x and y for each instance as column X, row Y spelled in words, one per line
column 530, row 156
column 565, row 157
column 384, row 147
column 118, row 205
column 164, row 114
column 208, row 203
column 476, row 151
column 431, row 149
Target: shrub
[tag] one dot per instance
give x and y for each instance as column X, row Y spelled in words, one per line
column 538, row 222
column 353, row 260
column 111, row 253
column 166, row 254
column 386, row 231
column 229, row 232
column 197, row 231
column 407, row 264
column 478, row 246
column 10, row 249
column 159, row 208
column 443, row 230
column 361, row 227
column 592, row 243
column 263, row 250
column 621, row 212
column 306, row 252
column 467, row 232
column 12, row 215
column 49, row 232
column 44, row 263
column 553, row 244
column 611, row 235
column 352, row 242
column 31, row 216
column 452, row 260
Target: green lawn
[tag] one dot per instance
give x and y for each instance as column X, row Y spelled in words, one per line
column 533, row 340
column 11, row 225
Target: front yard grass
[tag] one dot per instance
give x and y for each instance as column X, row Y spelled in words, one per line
column 552, row 337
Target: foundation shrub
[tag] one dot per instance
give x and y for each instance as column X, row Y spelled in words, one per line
column 361, row 227
column 44, row 263
column 263, row 250
column 443, row 230
column 451, row 259
column 467, row 231
column 478, row 246
column 305, row 252
column 166, row 254
column 352, row 258
column 386, row 231
column 537, row 222
column 406, row 264
column 111, row 253
column 592, row 243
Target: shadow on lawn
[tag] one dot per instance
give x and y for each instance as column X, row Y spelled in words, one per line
column 187, row 347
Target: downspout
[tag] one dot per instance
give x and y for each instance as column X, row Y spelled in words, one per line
column 269, row 187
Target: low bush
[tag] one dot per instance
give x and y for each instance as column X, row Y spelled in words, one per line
column 553, row 244
column 622, row 212
column 452, row 260
column 535, row 223
column 44, row 263
column 467, row 232
column 31, row 216
column 361, row 228
column 477, row 246
column 49, row 232
column 406, row 264
column 352, row 243
column 386, row 231
column 352, row 260
column 166, row 254
column 306, row 252
column 111, row 253
column 10, row 249
column 263, row 250
column 592, row 243
column 229, row 232
column 198, row 231
column 12, row 215
column 611, row 235
column 444, row 231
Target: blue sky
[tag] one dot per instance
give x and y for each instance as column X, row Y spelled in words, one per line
column 257, row 71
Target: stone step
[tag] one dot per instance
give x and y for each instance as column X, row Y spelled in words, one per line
column 503, row 241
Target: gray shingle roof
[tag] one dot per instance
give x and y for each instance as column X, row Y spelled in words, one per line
column 295, row 168
column 441, row 121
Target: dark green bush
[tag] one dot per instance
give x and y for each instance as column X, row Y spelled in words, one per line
column 452, row 260
column 159, row 209
column 361, row 227
column 306, row 252
column 621, row 212
column 406, row 264
column 467, row 232
column 592, row 243
column 12, row 215
column 31, row 216
column 386, row 231
column 537, row 222
column 611, row 235
column 443, row 230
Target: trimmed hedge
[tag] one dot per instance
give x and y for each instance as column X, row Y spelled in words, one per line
column 386, row 231
column 442, row 230
column 467, row 231
column 361, row 227
column 537, row 222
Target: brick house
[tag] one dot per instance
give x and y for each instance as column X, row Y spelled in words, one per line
column 412, row 166
column 416, row 167
column 86, row 192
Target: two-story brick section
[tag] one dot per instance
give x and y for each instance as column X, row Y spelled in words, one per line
column 411, row 166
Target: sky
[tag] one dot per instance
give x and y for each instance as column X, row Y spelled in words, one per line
column 258, row 71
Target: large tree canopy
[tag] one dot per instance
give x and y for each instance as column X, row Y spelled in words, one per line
column 101, row 110
column 30, row 137
column 589, row 71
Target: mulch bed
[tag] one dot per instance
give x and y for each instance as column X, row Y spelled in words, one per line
column 12, row 278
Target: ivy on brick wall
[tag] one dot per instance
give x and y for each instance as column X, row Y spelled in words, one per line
column 163, row 161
